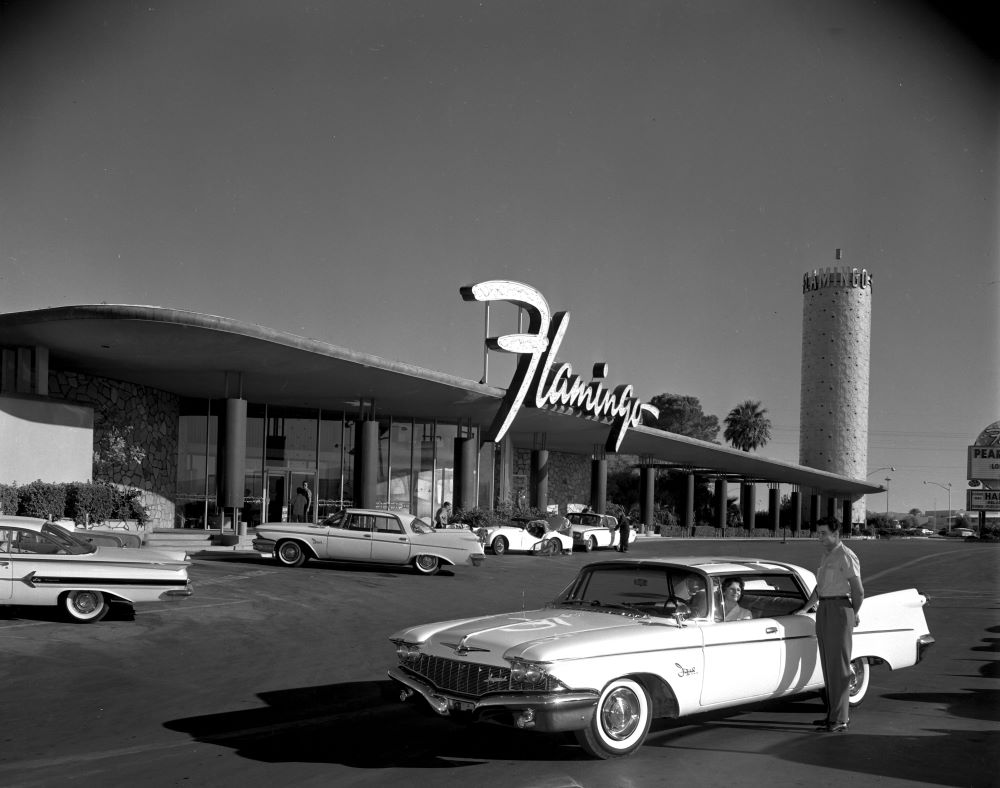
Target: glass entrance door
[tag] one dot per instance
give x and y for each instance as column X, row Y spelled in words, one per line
column 282, row 490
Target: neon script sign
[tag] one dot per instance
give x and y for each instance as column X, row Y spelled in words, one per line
column 541, row 383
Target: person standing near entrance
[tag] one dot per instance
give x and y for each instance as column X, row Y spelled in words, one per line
column 299, row 503
column 309, row 500
column 840, row 594
column 442, row 514
column 624, row 532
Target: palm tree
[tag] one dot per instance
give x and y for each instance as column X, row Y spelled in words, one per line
column 747, row 428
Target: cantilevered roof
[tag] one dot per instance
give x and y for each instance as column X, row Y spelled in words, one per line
column 197, row 355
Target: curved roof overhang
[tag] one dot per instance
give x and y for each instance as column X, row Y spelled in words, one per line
column 206, row 356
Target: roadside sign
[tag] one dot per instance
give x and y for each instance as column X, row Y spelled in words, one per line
column 983, row 500
column 984, row 463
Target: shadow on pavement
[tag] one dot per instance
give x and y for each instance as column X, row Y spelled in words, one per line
column 364, row 725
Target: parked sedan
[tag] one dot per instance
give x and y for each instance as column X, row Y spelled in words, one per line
column 540, row 537
column 370, row 536
column 42, row 563
column 632, row 640
column 591, row 531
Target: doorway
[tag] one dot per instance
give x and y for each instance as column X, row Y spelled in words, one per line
column 280, row 488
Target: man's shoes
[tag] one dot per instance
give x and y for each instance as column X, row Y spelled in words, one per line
column 833, row 727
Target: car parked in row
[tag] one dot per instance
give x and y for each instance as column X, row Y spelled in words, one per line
column 551, row 536
column 372, row 536
column 42, row 563
column 592, row 531
column 632, row 640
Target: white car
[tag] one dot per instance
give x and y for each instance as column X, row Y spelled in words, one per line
column 42, row 563
column 592, row 531
column 627, row 641
column 540, row 537
column 371, row 536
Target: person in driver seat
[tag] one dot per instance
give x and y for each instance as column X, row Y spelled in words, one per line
column 697, row 598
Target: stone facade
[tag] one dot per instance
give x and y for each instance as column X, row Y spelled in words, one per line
column 136, row 416
column 568, row 476
column 836, row 339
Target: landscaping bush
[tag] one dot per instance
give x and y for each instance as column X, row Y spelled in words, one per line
column 92, row 502
column 42, row 499
column 8, row 499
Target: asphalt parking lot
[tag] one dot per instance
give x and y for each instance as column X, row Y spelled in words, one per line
column 278, row 675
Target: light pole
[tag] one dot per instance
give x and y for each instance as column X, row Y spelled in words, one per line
column 883, row 468
column 948, row 488
column 887, row 480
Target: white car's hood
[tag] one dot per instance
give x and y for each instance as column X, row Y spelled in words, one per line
column 545, row 634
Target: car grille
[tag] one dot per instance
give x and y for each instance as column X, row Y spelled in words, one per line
column 472, row 679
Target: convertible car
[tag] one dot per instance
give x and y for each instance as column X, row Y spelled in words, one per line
column 371, row 536
column 591, row 530
column 42, row 563
column 546, row 537
column 631, row 640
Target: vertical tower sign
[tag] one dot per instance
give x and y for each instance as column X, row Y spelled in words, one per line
column 836, row 351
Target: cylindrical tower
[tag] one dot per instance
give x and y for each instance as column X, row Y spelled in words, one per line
column 836, row 338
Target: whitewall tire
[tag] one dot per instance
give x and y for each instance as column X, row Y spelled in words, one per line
column 620, row 723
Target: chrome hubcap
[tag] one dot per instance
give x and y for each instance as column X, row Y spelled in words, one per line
column 85, row 603
column 620, row 714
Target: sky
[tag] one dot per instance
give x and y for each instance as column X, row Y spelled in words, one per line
column 665, row 171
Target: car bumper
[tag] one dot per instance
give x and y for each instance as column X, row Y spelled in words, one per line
column 924, row 642
column 550, row 712
column 263, row 545
column 174, row 594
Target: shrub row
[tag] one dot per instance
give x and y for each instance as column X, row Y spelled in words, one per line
column 83, row 502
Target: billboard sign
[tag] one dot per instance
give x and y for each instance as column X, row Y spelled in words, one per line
column 984, row 463
column 982, row 500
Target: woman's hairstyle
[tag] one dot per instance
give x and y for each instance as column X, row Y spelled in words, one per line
column 730, row 580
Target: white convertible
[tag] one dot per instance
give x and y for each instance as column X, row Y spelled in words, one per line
column 371, row 536
column 591, row 530
column 541, row 537
column 42, row 563
column 631, row 640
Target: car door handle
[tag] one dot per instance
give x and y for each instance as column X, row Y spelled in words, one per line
column 771, row 630
column 400, row 538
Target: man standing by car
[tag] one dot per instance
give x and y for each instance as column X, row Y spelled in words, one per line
column 840, row 595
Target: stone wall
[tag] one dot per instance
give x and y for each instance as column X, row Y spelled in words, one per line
column 137, row 417
column 568, row 474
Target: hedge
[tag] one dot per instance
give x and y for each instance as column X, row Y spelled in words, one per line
column 83, row 502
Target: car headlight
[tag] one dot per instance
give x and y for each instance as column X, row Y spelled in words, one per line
column 408, row 653
column 522, row 672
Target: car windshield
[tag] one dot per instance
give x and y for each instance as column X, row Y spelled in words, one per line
column 643, row 589
column 578, row 518
column 66, row 541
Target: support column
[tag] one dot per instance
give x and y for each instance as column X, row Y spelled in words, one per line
column 814, row 507
column 599, row 485
column 234, row 454
column 647, row 490
column 796, row 512
column 366, row 463
column 831, row 507
column 720, row 503
column 687, row 519
column 466, row 457
column 540, row 478
column 846, row 526
column 774, row 507
column 749, row 505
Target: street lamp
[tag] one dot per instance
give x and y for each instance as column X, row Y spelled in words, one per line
column 883, row 468
column 887, row 480
column 948, row 488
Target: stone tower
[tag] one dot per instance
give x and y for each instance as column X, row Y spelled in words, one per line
column 836, row 335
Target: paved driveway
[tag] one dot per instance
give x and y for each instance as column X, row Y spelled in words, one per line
column 276, row 676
